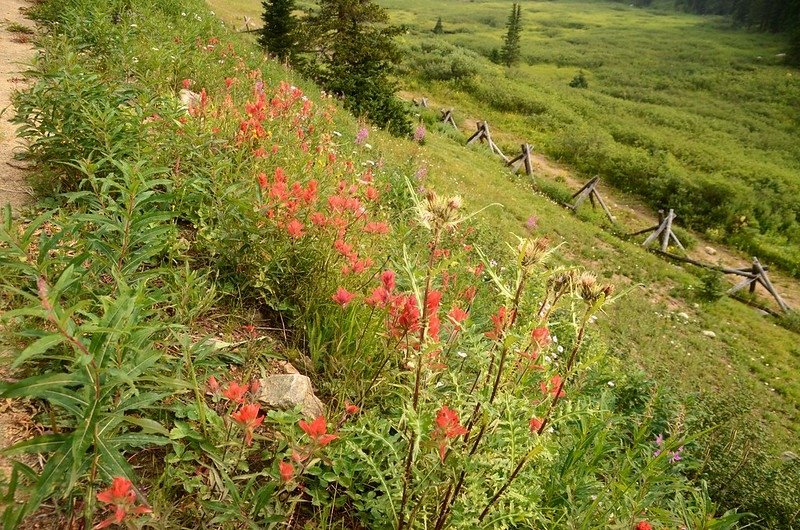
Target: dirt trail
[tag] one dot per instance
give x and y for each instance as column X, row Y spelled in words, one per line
column 15, row 51
column 633, row 214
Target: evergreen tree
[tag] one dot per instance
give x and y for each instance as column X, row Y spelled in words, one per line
column 511, row 51
column 278, row 36
column 355, row 58
column 438, row 29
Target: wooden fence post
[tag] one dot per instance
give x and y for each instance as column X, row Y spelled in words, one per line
column 522, row 161
column 663, row 229
column 589, row 190
column 447, row 118
column 484, row 135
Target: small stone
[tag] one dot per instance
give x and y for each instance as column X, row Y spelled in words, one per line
column 709, row 334
column 287, row 367
column 287, row 391
column 711, row 251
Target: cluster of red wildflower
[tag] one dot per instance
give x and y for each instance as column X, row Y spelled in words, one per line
column 247, row 415
column 447, row 427
column 120, row 498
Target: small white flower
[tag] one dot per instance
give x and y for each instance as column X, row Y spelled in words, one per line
column 547, row 358
column 611, row 384
column 135, row 60
column 493, row 263
column 183, row 14
column 154, row 49
column 439, row 384
column 555, row 339
column 560, row 349
column 551, row 430
column 367, row 146
column 462, row 354
column 133, row 26
column 337, row 133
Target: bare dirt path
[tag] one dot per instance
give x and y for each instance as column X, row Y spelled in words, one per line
column 15, row 51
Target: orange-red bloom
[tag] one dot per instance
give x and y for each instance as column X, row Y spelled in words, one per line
column 317, row 430
column 286, row 470
column 457, row 315
column 536, row 424
column 447, row 426
column 121, row 498
column 554, row 388
column 213, row 385
column 643, row 525
column 349, row 408
column 342, row 296
column 295, row 229
column 247, row 416
column 541, row 336
column 235, row 391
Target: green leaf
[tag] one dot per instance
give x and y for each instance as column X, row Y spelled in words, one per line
column 38, row 384
column 147, row 425
column 47, row 443
column 53, row 475
column 136, row 439
column 111, row 462
column 38, row 347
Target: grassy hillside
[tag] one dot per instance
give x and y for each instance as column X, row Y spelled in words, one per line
column 682, row 110
column 742, row 353
column 255, row 218
column 645, row 106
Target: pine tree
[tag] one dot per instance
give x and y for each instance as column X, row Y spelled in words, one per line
column 355, row 57
column 511, row 51
column 278, row 36
column 438, row 29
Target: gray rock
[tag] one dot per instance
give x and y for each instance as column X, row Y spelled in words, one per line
column 709, row 334
column 710, row 251
column 287, row 391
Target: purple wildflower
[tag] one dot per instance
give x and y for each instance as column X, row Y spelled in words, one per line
column 419, row 134
column 361, row 136
column 675, row 456
column 421, row 173
column 660, row 440
column 532, row 222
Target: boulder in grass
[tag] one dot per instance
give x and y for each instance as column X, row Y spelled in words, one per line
column 287, row 391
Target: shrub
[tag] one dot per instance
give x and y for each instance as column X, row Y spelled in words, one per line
column 579, row 81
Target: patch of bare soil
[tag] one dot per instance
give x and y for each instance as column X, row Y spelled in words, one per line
column 15, row 50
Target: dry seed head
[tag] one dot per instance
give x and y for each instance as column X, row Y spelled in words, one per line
column 588, row 288
column 533, row 251
column 563, row 280
column 440, row 212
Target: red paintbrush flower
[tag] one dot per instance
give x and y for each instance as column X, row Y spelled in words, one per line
column 317, row 430
column 447, row 426
column 121, row 499
column 342, row 296
column 388, row 280
column 536, row 424
column 541, row 336
column 554, row 388
column 286, row 470
column 457, row 315
column 247, row 416
column 349, row 408
column 235, row 391
column 213, row 385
